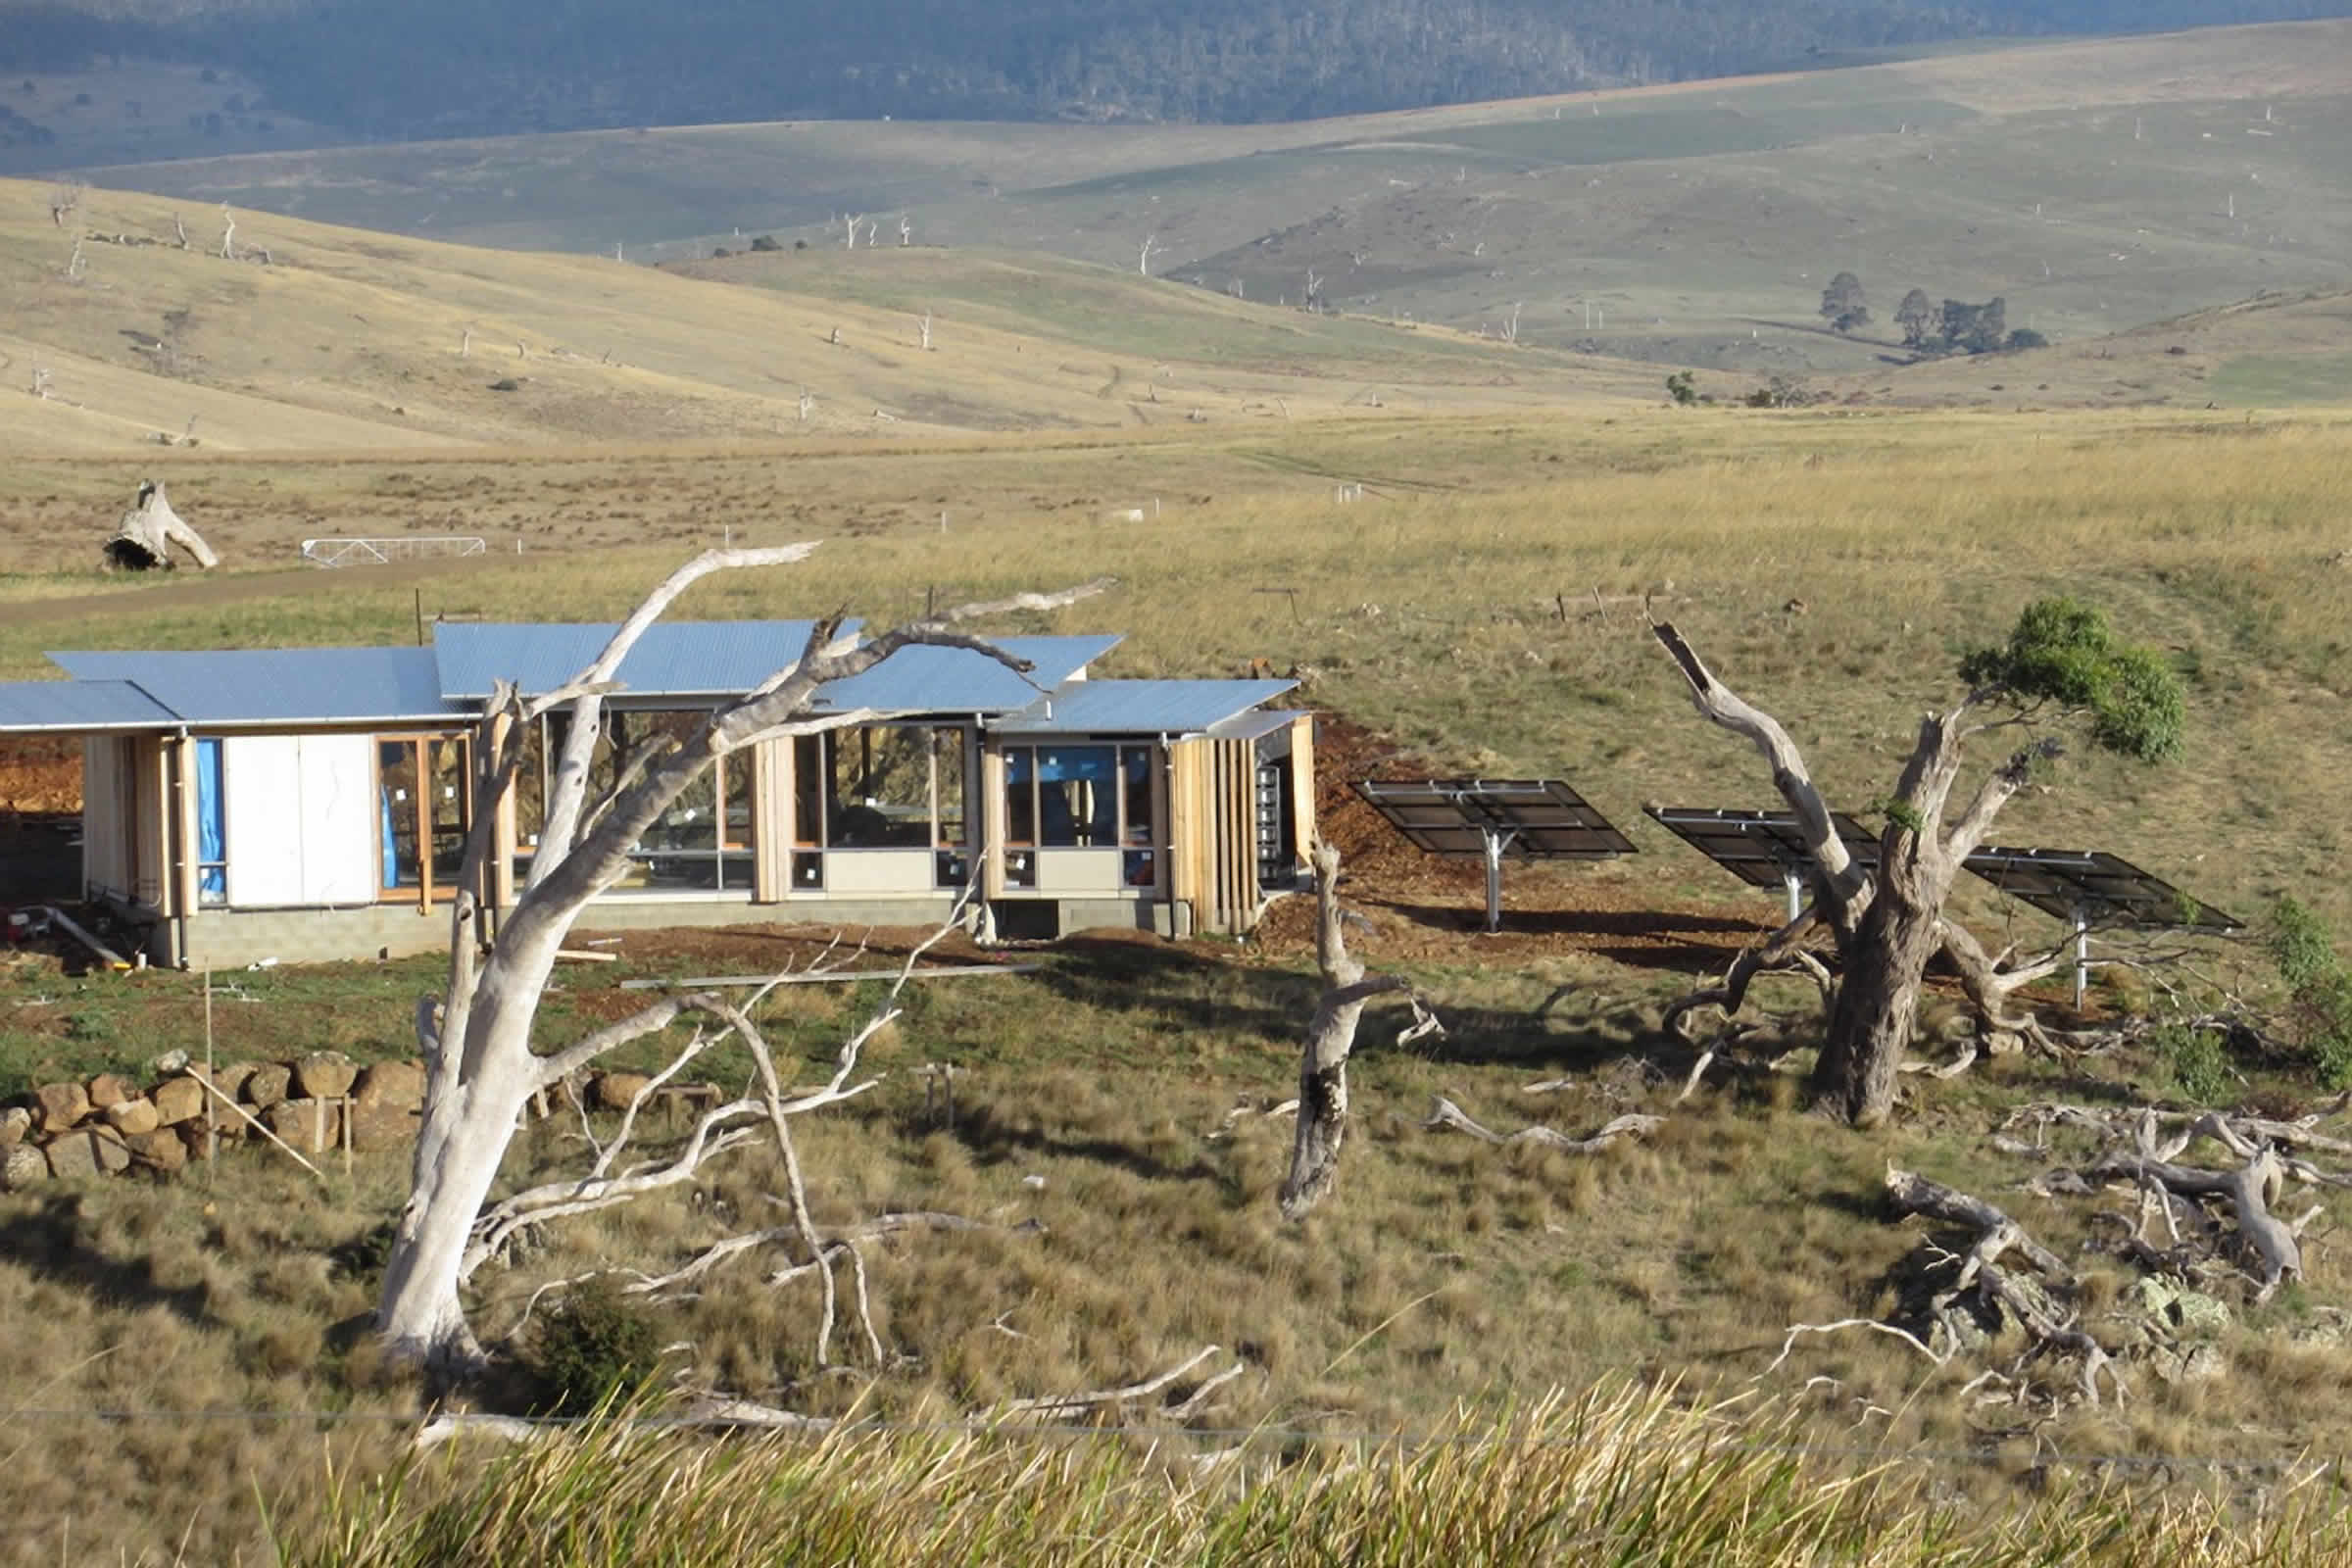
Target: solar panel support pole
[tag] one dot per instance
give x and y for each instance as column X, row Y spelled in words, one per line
column 2081, row 956
column 1794, row 881
column 1498, row 839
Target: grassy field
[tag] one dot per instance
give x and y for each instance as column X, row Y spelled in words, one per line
column 2096, row 185
column 349, row 342
column 200, row 1351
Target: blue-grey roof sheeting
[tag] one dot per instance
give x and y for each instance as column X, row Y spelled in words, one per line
column 278, row 685
column 80, row 705
column 956, row 680
column 1253, row 725
column 672, row 658
column 1141, row 707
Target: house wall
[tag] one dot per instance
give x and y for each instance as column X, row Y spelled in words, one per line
column 1206, row 875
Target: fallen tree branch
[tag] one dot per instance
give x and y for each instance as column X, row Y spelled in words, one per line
column 1059, row 1406
column 1446, row 1115
column 1896, row 1331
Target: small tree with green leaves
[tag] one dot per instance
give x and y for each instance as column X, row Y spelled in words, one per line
column 1843, row 304
column 1915, row 315
column 2061, row 662
column 2319, row 989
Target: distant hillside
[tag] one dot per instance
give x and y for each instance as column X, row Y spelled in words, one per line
column 437, row 67
column 314, row 337
column 2094, row 186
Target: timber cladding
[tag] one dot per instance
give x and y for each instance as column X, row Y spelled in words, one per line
column 1212, row 831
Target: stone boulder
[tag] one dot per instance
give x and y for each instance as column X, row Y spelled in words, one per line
column 392, row 1085
column 615, row 1091
column 270, row 1082
column 159, row 1150
column 324, row 1075
column 178, row 1099
column 379, row 1126
column 108, row 1090
column 308, row 1126
column 58, row 1107
column 70, row 1156
column 23, row 1166
column 15, row 1125
column 107, row 1146
column 229, row 1077
column 133, row 1118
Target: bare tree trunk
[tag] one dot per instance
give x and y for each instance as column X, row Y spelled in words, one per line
column 1330, row 1037
column 1886, row 925
column 481, row 1068
column 1871, row 1021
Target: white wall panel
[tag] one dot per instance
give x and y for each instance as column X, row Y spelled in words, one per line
column 261, row 793
column 339, row 819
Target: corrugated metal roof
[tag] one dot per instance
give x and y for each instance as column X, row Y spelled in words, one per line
column 80, row 705
column 672, row 658
column 956, row 680
column 1141, row 707
column 278, row 685
column 1253, row 725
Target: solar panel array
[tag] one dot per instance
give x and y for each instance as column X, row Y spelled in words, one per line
column 1544, row 819
column 1762, row 848
column 1538, row 818
column 2095, row 888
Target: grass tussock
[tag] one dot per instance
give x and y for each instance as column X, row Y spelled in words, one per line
column 1624, row 1475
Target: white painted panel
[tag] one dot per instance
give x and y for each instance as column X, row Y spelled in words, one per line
column 340, row 822
column 1079, row 871
column 261, row 796
column 879, row 871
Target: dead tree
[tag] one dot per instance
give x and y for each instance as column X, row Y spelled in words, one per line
column 65, row 200
column 1330, row 1037
column 1885, row 926
column 145, row 536
column 922, row 328
column 1143, row 259
column 481, row 1068
column 905, row 231
column 228, row 233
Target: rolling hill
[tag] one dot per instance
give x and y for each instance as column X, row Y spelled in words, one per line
column 2095, row 185
column 348, row 340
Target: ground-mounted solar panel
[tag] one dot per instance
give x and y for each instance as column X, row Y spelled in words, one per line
column 2091, row 889
column 1494, row 819
column 1763, row 849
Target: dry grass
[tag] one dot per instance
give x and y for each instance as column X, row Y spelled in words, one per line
column 1622, row 1474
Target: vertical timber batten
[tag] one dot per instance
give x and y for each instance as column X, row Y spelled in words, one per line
column 1304, row 829
column 771, row 820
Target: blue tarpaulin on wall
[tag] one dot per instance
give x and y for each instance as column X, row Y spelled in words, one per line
column 212, row 875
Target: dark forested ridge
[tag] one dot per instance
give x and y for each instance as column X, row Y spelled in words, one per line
column 423, row 67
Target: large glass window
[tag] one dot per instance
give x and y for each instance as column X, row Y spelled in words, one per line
column 424, row 809
column 701, row 841
column 880, row 787
column 1081, row 796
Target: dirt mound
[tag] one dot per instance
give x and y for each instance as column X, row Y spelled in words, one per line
column 1425, row 907
column 41, row 773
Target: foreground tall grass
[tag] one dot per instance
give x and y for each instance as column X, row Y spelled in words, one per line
column 1624, row 1475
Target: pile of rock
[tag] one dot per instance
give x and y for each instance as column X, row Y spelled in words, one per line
column 111, row 1126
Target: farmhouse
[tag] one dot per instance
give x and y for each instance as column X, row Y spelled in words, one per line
column 314, row 803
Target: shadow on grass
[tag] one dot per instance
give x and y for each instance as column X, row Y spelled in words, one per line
column 53, row 1242
column 1181, row 988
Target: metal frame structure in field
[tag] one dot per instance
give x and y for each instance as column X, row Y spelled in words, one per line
column 1763, row 849
column 2086, row 888
column 1532, row 818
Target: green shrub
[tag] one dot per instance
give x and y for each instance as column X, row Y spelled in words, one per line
column 2199, row 1063
column 593, row 1349
column 2319, row 989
